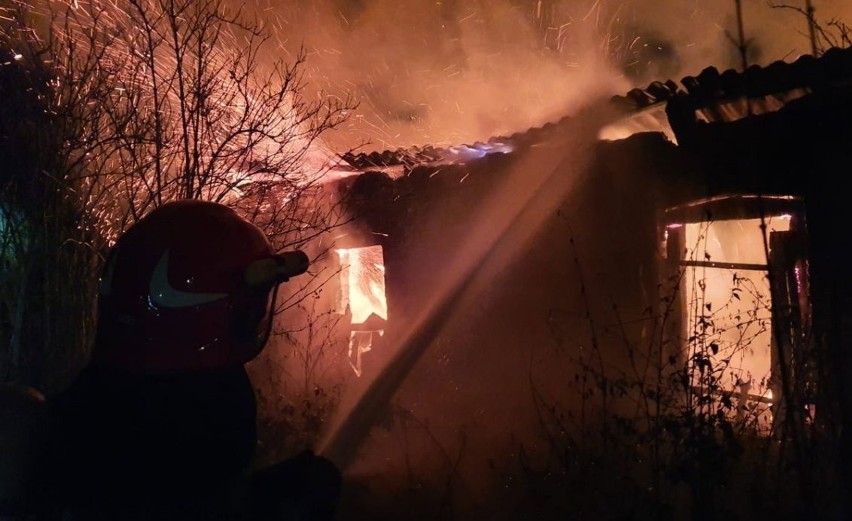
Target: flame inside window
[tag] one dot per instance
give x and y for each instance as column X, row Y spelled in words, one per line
column 729, row 317
column 362, row 291
column 363, row 283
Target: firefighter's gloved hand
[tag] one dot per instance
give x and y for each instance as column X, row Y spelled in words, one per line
column 306, row 488
column 276, row 269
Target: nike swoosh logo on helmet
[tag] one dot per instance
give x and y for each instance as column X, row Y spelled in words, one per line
column 164, row 295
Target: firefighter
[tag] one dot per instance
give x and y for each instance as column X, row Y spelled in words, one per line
column 162, row 423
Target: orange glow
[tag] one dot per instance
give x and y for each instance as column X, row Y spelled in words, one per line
column 362, row 292
column 729, row 308
column 360, row 342
column 363, row 283
column 651, row 119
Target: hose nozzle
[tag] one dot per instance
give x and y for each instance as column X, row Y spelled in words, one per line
column 268, row 272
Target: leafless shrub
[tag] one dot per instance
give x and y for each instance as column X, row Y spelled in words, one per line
column 136, row 103
column 659, row 427
column 824, row 35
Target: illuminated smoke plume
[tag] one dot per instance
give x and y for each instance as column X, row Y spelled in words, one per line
column 458, row 71
column 442, row 73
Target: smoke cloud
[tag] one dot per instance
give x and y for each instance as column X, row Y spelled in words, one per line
column 457, row 71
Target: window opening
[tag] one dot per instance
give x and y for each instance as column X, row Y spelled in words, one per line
column 726, row 302
column 363, row 297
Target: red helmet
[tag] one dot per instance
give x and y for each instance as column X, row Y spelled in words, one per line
column 188, row 288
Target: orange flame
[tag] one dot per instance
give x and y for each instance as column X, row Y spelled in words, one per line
column 363, row 283
column 363, row 293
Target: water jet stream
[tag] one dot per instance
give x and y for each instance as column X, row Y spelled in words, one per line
column 535, row 188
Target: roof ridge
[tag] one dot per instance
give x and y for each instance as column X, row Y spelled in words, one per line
column 833, row 66
column 710, row 85
column 416, row 155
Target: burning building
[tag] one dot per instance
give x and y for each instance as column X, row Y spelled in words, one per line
column 675, row 250
column 700, row 228
column 709, row 161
